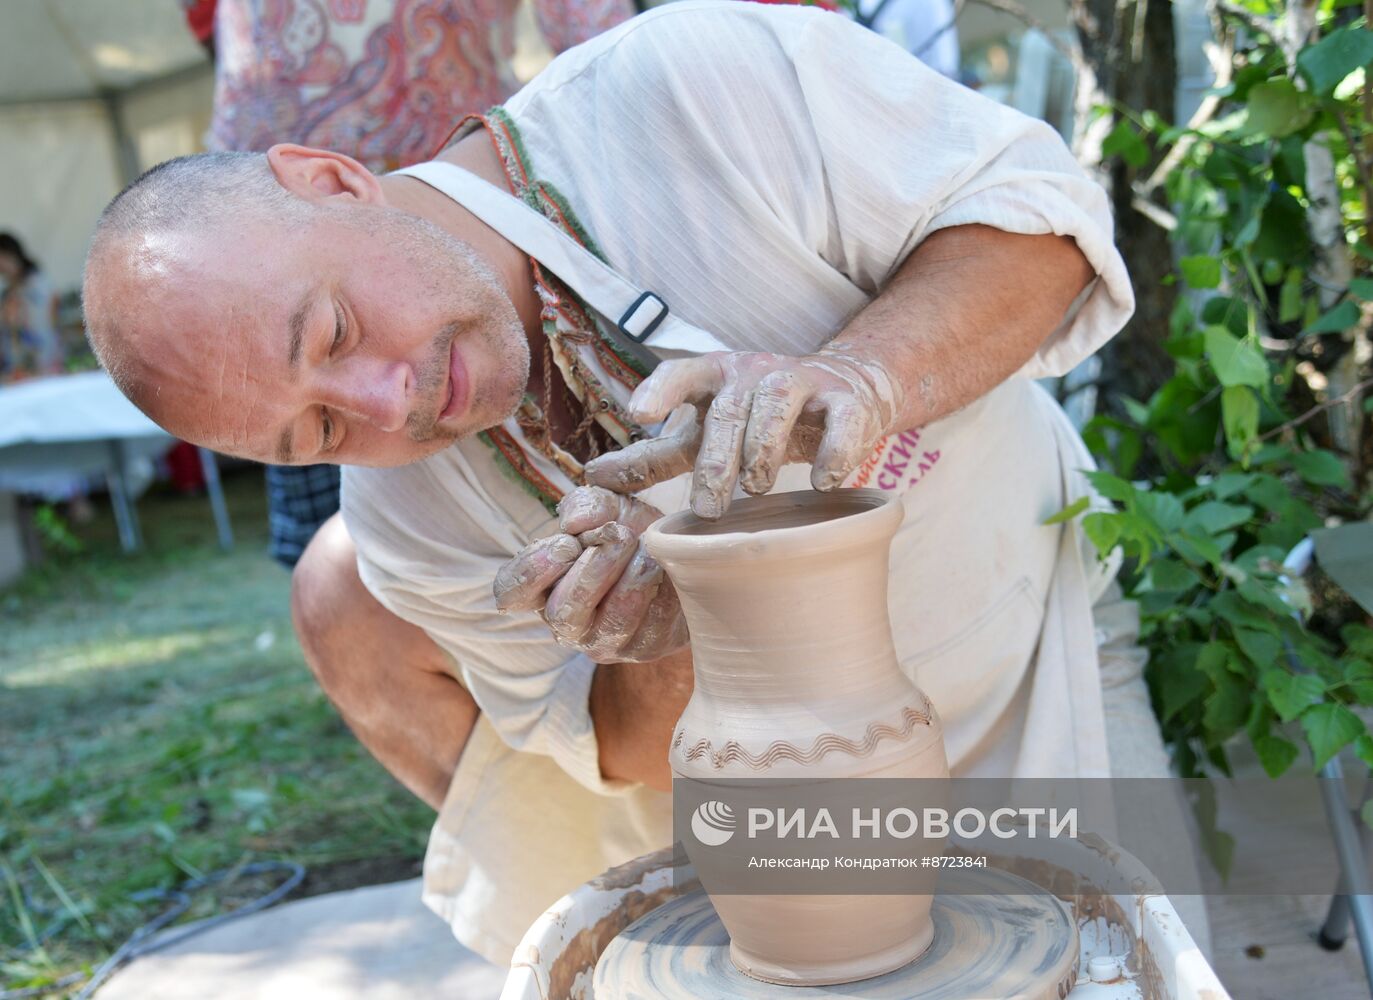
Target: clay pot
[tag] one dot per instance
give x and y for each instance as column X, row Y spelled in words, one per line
column 797, row 678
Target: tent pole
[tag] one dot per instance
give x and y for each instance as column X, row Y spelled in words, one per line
column 126, row 155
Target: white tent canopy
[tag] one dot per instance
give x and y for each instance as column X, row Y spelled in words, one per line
column 91, row 93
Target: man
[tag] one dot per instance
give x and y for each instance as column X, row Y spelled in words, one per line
column 879, row 250
column 380, row 81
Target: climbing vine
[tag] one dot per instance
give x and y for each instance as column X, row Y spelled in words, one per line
column 1259, row 435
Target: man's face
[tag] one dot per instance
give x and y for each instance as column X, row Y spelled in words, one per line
column 362, row 336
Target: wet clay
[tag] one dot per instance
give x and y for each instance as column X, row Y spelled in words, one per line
column 796, row 677
column 793, row 510
column 997, row 936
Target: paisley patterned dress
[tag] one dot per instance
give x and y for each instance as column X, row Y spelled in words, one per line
column 380, row 80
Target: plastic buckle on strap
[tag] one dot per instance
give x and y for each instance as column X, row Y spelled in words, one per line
column 643, row 317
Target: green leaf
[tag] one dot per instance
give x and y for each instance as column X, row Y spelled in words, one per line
column 1269, row 492
column 1290, row 297
column 1329, row 728
column 1337, row 320
column 1103, row 530
column 1213, row 517
column 1267, row 597
column 1180, row 683
column 1363, row 288
column 1283, row 233
column 1171, row 576
column 1197, row 548
column 1334, row 57
column 1227, row 484
column 1136, row 410
column 1359, row 677
column 1321, row 468
column 1275, row 754
column 1111, row 487
column 1291, row 694
column 1261, row 647
column 1276, row 109
column 1071, row 511
column 1239, row 412
column 1218, row 845
column 1213, row 660
column 1237, row 362
column 1200, row 271
column 1237, row 611
column 1261, row 559
column 1226, row 709
column 1363, row 746
column 1164, row 509
column 1358, row 639
column 1124, row 141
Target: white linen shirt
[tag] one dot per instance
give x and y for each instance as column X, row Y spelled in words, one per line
column 765, row 170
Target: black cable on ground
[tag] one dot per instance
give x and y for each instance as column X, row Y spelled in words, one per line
column 141, row 941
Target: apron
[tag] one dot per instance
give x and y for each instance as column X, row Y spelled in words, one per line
column 471, row 878
column 1070, row 692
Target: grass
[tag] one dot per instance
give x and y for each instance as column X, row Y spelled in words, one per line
column 158, row 722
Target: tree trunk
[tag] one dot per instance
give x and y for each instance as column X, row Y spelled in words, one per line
column 1128, row 49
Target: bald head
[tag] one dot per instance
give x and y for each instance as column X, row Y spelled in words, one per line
column 279, row 308
column 192, row 200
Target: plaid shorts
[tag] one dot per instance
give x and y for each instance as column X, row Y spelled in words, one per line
column 299, row 499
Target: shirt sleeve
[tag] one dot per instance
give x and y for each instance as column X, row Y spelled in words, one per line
column 866, row 151
column 907, row 152
column 429, row 541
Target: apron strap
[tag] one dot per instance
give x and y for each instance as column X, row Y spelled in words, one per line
column 642, row 318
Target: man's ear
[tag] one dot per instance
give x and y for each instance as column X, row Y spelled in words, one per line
column 318, row 175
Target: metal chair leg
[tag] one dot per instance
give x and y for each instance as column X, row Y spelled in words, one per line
column 1354, row 901
column 125, row 514
column 1349, row 851
column 1335, row 931
column 215, row 489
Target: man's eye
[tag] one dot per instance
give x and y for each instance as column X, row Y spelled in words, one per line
column 340, row 329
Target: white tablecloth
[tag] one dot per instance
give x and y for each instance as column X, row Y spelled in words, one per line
column 66, row 423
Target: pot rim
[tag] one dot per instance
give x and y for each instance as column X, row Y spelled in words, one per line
column 875, row 516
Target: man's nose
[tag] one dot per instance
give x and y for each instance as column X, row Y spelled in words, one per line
column 377, row 394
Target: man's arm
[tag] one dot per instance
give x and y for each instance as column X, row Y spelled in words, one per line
column 634, row 707
column 966, row 310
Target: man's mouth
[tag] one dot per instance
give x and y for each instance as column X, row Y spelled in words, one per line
column 458, row 385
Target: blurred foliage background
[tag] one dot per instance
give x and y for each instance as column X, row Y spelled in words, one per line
column 1236, row 406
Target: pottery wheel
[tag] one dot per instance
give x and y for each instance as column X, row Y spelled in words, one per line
column 1011, row 940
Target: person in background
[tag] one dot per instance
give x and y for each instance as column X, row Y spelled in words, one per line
column 380, row 80
column 925, row 28
column 28, row 315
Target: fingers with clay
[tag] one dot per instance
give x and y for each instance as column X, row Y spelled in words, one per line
column 639, row 617
column 615, row 603
column 595, row 584
column 653, row 460
column 571, row 608
column 765, row 410
column 589, row 507
column 523, row 582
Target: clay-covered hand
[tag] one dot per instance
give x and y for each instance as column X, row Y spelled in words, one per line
column 594, row 582
column 760, row 411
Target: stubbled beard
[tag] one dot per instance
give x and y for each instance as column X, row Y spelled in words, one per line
column 443, row 258
column 423, row 424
